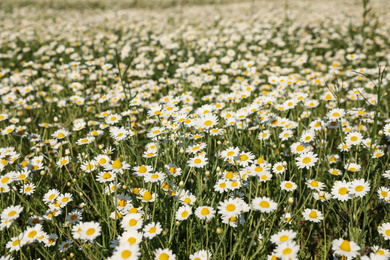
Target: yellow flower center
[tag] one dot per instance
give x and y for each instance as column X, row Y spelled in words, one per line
column 117, row 164
column 32, row 234
column 147, row 196
column 343, row 191
column 126, row 253
column 90, row 231
column 184, row 214
column 164, row 256
column 208, row 123
column 205, row 211
column 132, row 222
column 106, row 175
column 283, row 238
column 230, row 207
column 313, row 214
column 359, row 188
column 264, row 204
column 244, row 157
column 345, row 246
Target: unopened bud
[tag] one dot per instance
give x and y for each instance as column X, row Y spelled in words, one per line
column 291, row 200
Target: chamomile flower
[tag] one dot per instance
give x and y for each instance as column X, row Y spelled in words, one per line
column 173, row 170
column 14, row 244
column 353, row 167
column 283, row 236
column 384, row 230
column 63, row 247
column 102, row 159
column 205, row 212
column 11, row 212
column 287, row 250
column 132, row 222
column 278, row 168
column 126, row 252
column 50, row 196
column 152, row 229
column 340, row 190
column 27, row 189
column 335, row 172
column 306, row 160
column 155, row 177
column 142, row 170
column 198, row 161
column 264, row 204
column 315, row 185
column 74, row 216
column 288, row 186
column 32, row 234
column 60, row 134
column 146, row 196
column 90, row 230
column 85, row 141
column 164, row 254
column 384, row 194
column 106, row 176
column 183, row 212
column 230, row 153
column 354, row 138
column 359, row 188
column 307, row 136
column 313, row 215
column 336, row 114
column 113, row 119
column 63, row 161
column 229, row 208
column 117, row 166
column 346, row 248
column 201, row 255
column 130, row 238
column 265, row 135
column 285, row 135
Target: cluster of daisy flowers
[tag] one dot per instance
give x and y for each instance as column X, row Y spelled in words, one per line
column 153, row 135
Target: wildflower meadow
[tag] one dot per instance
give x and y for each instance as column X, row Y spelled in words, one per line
column 217, row 130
